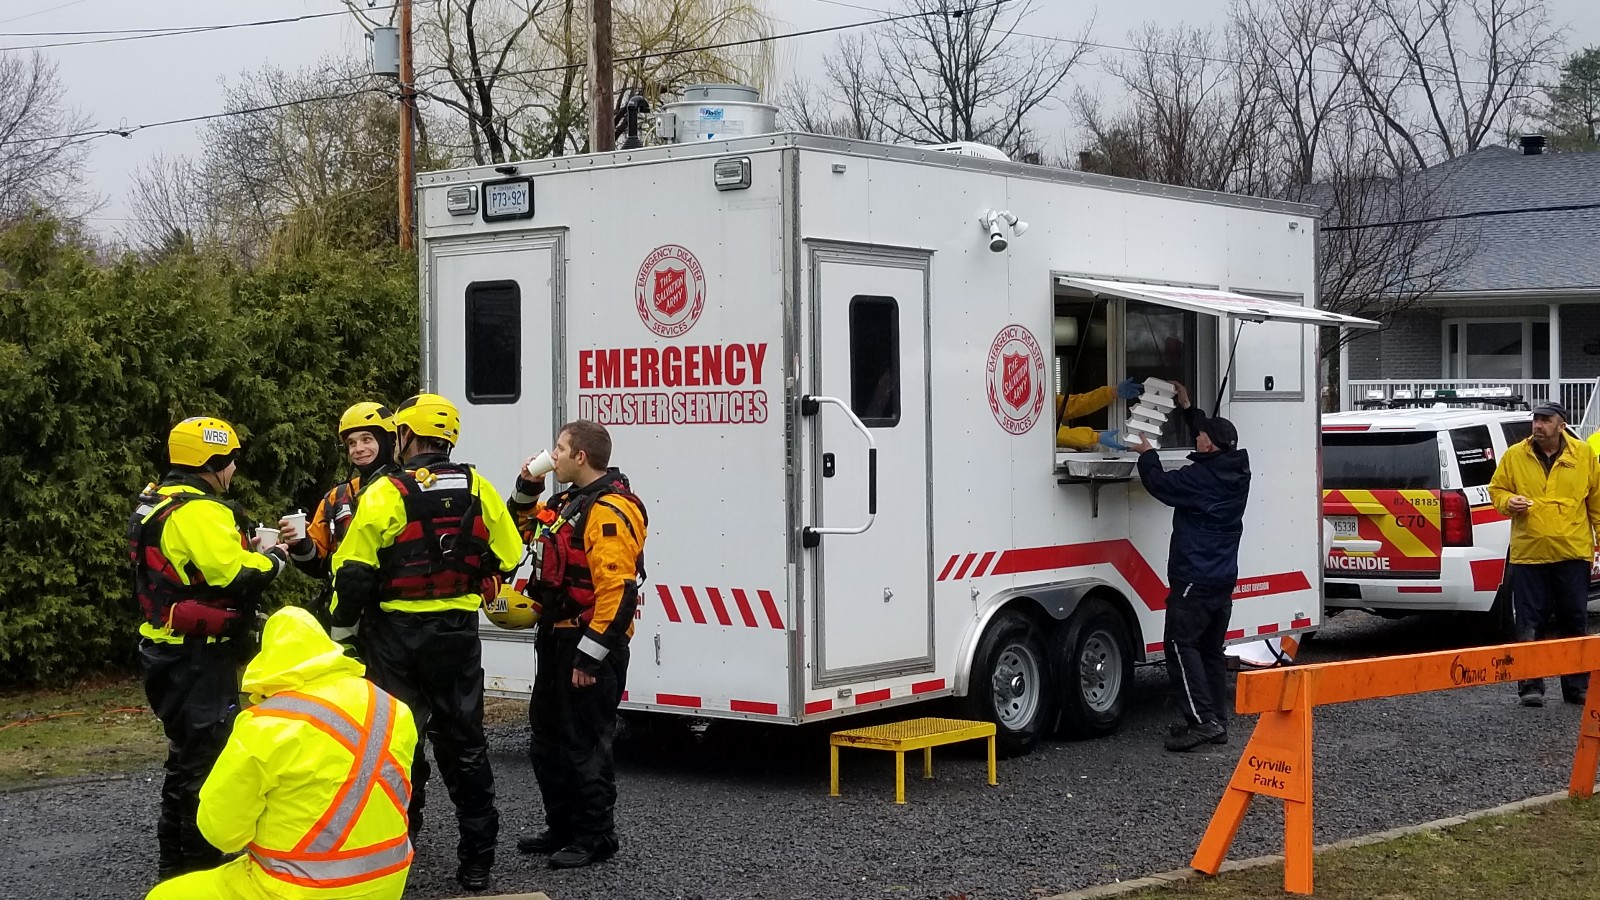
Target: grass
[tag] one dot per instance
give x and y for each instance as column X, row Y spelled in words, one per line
column 96, row 728
column 1547, row 852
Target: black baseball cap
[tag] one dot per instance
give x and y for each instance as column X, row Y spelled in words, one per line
column 1545, row 408
column 1221, row 432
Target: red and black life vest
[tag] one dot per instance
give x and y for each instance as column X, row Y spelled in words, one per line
column 443, row 550
column 341, row 510
column 562, row 574
column 193, row 610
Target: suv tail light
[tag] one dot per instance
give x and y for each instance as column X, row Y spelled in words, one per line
column 1455, row 518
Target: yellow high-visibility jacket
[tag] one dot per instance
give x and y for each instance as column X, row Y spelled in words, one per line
column 1081, row 438
column 1566, row 503
column 381, row 516
column 204, row 535
column 315, row 780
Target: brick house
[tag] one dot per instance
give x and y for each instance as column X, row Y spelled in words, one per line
column 1524, row 311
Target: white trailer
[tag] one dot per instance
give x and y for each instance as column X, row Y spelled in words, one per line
column 832, row 384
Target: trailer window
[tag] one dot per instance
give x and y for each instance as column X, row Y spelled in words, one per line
column 1161, row 342
column 1400, row 461
column 875, row 360
column 494, row 342
column 1082, row 356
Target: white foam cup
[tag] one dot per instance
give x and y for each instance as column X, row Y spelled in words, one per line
column 294, row 527
column 541, row 466
column 266, row 538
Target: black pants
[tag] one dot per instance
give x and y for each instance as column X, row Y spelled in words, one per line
column 194, row 690
column 1551, row 600
column 571, row 730
column 1197, row 668
column 433, row 663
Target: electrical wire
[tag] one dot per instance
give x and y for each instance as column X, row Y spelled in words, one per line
column 139, row 34
column 1481, row 214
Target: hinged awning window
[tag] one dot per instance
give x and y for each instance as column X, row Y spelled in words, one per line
column 1217, row 303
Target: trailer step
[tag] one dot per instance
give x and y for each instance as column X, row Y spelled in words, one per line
column 913, row 734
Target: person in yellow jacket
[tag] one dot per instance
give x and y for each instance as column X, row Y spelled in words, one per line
column 197, row 582
column 1549, row 485
column 427, row 544
column 589, row 542
column 1071, row 406
column 312, row 785
column 367, row 432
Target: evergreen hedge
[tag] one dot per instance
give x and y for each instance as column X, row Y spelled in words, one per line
column 99, row 360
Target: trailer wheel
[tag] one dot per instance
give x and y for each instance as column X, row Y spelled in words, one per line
column 1010, row 683
column 1094, row 660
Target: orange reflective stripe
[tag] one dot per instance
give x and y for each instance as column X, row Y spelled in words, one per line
column 319, row 859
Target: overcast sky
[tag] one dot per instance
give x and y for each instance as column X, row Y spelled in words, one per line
column 142, row 81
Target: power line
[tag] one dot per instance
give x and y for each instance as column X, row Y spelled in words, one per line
column 140, row 34
column 41, row 12
column 1481, row 214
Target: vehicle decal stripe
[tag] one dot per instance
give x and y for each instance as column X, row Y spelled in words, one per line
column 983, row 564
column 670, row 608
column 965, row 565
column 872, row 696
column 752, row 706
column 715, row 596
column 745, row 612
column 923, row 687
column 767, row 603
column 694, row 605
column 950, row 564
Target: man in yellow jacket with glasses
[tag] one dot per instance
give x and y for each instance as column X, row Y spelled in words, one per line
column 313, row 784
column 197, row 583
column 1549, row 485
column 427, row 543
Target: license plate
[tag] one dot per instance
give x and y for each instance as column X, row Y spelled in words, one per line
column 1345, row 528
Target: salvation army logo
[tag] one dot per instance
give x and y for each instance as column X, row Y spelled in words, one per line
column 1016, row 379
column 670, row 292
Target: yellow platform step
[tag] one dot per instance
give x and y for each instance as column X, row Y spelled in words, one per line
column 900, row 737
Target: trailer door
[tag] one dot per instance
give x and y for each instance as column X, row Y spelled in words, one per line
column 491, row 346
column 873, row 588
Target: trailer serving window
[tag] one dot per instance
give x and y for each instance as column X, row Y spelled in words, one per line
column 494, row 342
column 875, row 360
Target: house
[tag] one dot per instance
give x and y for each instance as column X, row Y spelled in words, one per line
column 1523, row 312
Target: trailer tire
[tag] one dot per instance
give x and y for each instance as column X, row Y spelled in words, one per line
column 1094, row 662
column 1010, row 683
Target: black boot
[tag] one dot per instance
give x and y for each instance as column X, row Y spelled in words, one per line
column 543, row 843
column 473, row 874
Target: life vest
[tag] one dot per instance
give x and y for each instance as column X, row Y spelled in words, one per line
column 561, row 571
column 193, row 610
column 443, row 550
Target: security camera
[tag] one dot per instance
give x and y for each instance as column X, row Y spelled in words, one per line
column 1017, row 226
column 997, row 241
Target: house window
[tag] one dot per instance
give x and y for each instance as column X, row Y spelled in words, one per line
column 875, row 360
column 1497, row 349
column 494, row 342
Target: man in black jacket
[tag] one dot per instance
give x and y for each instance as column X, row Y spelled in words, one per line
column 1207, row 499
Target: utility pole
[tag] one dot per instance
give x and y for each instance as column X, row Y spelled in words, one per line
column 602, row 124
column 407, row 110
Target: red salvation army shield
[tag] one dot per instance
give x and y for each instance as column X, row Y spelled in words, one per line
column 671, row 290
column 1016, row 379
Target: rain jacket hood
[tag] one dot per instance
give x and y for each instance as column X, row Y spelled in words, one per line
column 295, row 653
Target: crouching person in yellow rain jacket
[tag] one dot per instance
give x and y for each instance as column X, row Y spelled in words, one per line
column 313, row 784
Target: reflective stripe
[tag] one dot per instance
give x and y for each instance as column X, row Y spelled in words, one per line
column 593, row 648
column 337, row 869
column 317, row 860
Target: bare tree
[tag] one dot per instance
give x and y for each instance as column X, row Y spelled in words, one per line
column 843, row 107
column 41, row 162
column 1191, row 118
column 1441, row 78
column 168, row 205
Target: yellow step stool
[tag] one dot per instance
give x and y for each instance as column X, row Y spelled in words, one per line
column 899, row 737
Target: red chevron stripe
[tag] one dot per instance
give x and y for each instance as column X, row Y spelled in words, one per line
column 665, row 593
column 694, row 605
column 767, row 603
column 744, row 608
column 716, row 604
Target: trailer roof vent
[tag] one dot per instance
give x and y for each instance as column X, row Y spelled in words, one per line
column 712, row 112
column 969, row 148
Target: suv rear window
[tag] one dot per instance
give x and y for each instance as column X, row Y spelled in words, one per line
column 1516, row 431
column 1402, row 461
column 1474, row 454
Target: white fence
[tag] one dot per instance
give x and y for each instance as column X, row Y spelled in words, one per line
column 1575, row 392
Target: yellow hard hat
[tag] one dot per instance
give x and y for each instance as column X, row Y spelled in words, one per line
column 196, row 441
column 512, row 610
column 430, row 415
column 366, row 415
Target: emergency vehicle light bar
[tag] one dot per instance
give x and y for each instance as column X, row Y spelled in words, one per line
column 1222, row 304
column 811, row 535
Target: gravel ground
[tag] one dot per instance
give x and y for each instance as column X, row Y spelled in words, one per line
column 743, row 813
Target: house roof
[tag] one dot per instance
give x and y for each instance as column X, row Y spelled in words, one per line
column 1550, row 250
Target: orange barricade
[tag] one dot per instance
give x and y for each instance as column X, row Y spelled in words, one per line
column 1277, row 760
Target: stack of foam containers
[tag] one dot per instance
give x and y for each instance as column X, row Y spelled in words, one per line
column 1147, row 417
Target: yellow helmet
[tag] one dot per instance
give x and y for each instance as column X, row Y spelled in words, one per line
column 430, row 415
column 512, row 610
column 366, row 415
column 197, row 440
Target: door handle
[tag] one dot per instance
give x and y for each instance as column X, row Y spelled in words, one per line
column 827, row 465
column 811, row 535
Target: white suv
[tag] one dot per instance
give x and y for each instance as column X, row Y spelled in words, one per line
column 1405, row 503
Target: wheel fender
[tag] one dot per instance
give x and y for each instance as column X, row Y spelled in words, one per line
column 1058, row 600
